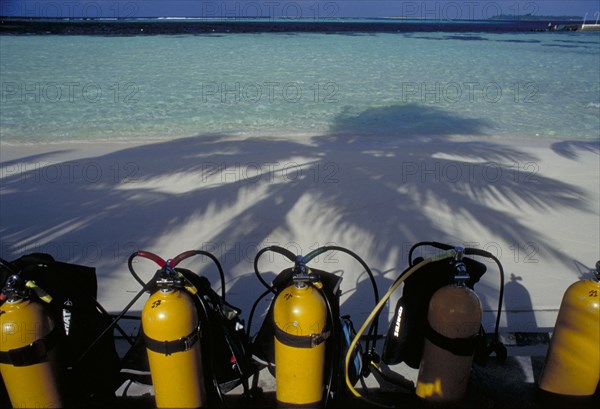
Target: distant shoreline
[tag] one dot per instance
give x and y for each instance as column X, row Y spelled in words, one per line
column 530, row 17
column 501, row 17
column 160, row 26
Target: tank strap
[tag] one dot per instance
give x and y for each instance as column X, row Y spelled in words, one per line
column 33, row 353
column 458, row 346
column 170, row 347
column 301, row 341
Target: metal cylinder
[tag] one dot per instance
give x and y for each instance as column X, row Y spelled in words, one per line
column 454, row 319
column 572, row 364
column 300, row 316
column 171, row 331
column 29, row 366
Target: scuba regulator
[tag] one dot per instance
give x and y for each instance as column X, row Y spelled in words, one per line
column 303, row 338
column 448, row 276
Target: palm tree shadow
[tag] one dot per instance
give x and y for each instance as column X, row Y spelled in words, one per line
column 368, row 184
column 571, row 149
column 410, row 121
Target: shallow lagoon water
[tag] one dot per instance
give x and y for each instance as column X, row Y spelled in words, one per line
column 87, row 88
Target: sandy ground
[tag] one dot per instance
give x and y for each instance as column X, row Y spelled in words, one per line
column 532, row 203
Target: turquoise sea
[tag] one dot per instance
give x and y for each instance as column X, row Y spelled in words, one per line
column 88, row 88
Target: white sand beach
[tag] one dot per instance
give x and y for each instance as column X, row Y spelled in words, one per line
column 532, row 203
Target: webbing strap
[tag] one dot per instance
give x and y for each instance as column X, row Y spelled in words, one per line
column 170, row 347
column 33, row 353
column 301, row 341
column 458, row 346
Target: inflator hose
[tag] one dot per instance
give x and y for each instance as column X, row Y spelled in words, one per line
column 436, row 244
column 377, row 309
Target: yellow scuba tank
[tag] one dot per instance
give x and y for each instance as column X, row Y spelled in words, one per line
column 572, row 364
column 27, row 360
column 304, row 338
column 454, row 319
column 300, row 318
column 171, row 329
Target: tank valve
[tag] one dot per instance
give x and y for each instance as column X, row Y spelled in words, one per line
column 461, row 275
column 14, row 288
column 301, row 273
column 169, row 279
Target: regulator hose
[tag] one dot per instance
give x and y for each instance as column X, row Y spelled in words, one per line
column 253, row 309
column 275, row 249
column 173, row 263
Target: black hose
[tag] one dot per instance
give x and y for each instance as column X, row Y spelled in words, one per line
column 276, row 249
column 187, row 254
column 121, row 331
column 374, row 328
column 487, row 254
column 219, row 267
column 132, row 270
column 335, row 337
column 211, row 356
column 251, row 316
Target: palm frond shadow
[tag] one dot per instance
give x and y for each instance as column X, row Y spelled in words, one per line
column 372, row 181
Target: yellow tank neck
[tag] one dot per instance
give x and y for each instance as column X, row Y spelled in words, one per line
column 300, row 285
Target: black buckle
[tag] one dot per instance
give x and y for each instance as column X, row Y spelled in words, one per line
column 170, row 347
column 316, row 339
column 191, row 339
